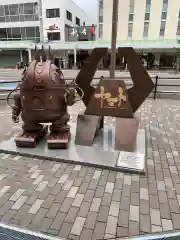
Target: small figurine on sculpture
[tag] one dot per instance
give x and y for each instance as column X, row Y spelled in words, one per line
column 43, row 98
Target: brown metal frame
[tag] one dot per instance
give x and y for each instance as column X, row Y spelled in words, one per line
column 143, row 86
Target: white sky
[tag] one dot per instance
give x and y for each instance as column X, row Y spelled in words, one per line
column 89, row 6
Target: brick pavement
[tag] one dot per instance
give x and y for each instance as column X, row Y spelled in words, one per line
column 77, row 202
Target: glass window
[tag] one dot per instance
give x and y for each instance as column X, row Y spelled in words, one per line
column 101, row 15
column 14, row 18
column 131, row 6
column 69, row 15
column 6, row 9
column 148, row 6
column 36, row 8
column 101, row 12
column 16, row 33
column 100, row 19
column 53, row 13
column 23, row 33
column 19, row 12
column 21, row 8
column 2, row 19
column 164, row 15
column 54, row 36
column 162, row 28
column 30, row 33
column 78, row 21
column 101, row 3
column 28, row 8
column 165, row 5
column 37, row 32
column 3, row 33
column 100, row 30
column 163, row 24
column 13, row 9
column 7, row 18
column 9, row 33
column 131, row 3
column 147, row 16
column 178, row 29
column 131, row 9
column 22, row 18
column 131, row 17
column 1, row 10
column 146, row 28
column 28, row 17
column 67, row 29
column 130, row 29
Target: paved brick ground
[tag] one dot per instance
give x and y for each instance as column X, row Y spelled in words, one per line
column 76, row 202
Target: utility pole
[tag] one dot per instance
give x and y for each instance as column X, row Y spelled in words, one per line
column 41, row 22
column 114, row 38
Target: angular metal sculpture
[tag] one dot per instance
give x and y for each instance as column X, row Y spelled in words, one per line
column 43, row 98
column 88, row 125
column 111, row 98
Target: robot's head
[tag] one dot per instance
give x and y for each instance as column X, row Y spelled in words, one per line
column 41, row 55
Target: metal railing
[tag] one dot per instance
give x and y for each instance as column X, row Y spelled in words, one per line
column 157, row 84
column 7, row 91
column 129, row 83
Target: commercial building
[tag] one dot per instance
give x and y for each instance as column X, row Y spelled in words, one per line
column 23, row 23
column 151, row 27
column 141, row 19
column 147, row 25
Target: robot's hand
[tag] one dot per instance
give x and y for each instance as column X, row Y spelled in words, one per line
column 15, row 118
column 70, row 97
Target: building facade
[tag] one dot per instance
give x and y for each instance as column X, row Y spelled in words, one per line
column 141, row 19
column 20, row 20
column 58, row 15
column 152, row 27
column 35, row 21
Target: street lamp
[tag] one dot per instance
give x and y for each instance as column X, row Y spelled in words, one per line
column 114, row 38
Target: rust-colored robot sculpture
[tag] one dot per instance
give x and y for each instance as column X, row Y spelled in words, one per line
column 43, row 98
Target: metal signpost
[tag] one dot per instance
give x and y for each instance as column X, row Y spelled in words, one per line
column 114, row 38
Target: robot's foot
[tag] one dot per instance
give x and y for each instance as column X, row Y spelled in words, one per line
column 30, row 139
column 59, row 140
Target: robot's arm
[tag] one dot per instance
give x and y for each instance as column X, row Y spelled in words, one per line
column 70, row 96
column 16, row 108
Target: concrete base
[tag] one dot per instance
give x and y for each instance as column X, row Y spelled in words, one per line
column 101, row 154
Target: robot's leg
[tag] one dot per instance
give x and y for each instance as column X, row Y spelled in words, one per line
column 32, row 126
column 60, row 125
column 32, row 133
column 60, row 133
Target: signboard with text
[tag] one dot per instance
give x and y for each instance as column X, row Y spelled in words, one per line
column 81, row 33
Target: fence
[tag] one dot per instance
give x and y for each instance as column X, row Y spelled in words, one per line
column 159, row 87
column 4, row 92
column 165, row 88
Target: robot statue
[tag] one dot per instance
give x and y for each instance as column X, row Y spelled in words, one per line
column 43, row 98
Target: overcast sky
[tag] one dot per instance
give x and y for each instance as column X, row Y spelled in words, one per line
column 89, row 6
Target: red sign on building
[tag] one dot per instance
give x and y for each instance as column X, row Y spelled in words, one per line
column 53, row 27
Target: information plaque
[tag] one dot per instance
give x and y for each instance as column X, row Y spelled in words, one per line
column 132, row 161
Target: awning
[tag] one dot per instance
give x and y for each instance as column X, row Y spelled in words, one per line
column 59, row 45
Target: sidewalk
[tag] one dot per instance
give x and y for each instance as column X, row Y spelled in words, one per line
column 77, row 202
